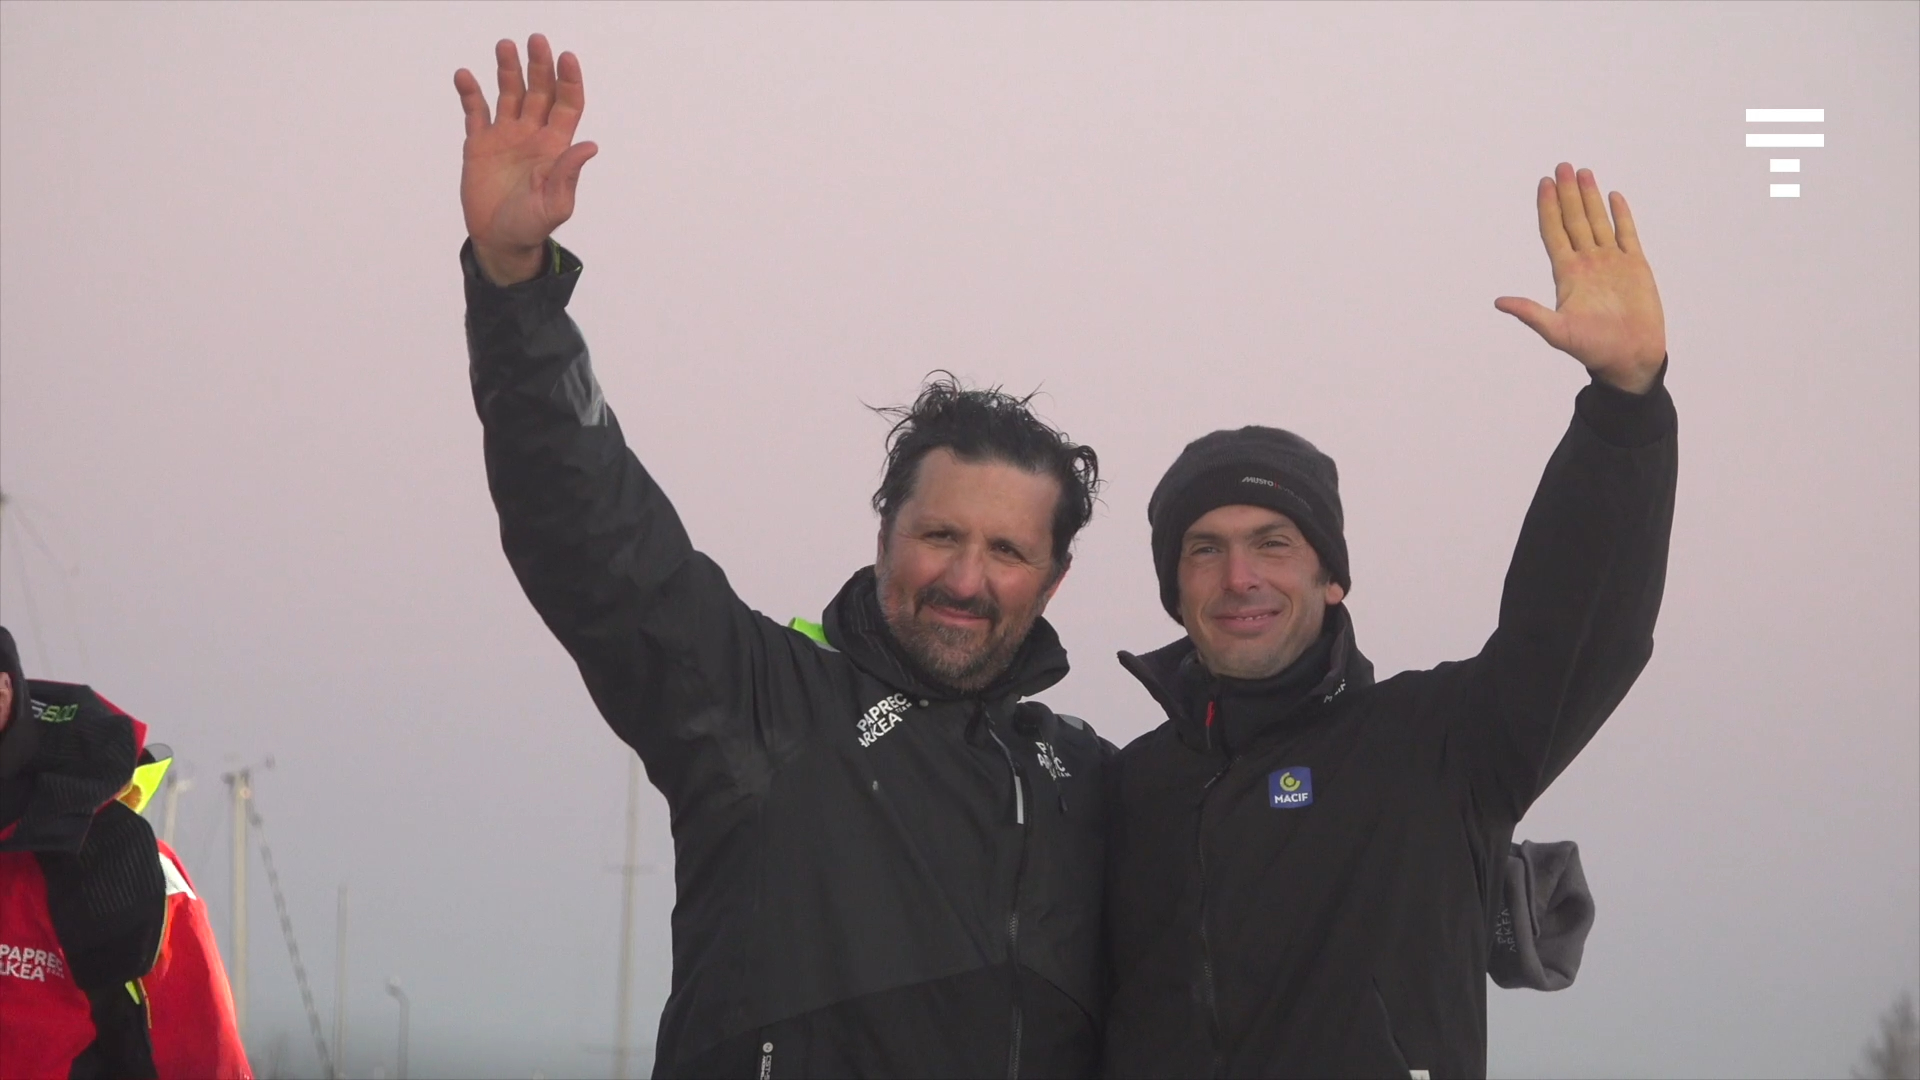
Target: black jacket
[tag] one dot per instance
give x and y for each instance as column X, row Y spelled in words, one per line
column 1311, row 890
column 874, row 876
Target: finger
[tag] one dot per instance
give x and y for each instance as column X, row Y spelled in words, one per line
column 1623, row 223
column 1573, row 215
column 1596, row 208
column 512, row 88
column 539, row 80
column 472, row 101
column 570, row 96
column 1544, row 321
column 1553, row 232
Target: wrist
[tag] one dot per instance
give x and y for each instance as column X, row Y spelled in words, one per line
column 505, row 266
column 1636, row 378
column 1636, row 383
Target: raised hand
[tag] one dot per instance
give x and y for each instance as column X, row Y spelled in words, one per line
column 1606, row 310
column 519, row 169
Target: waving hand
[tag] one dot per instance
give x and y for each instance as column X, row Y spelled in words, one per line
column 520, row 166
column 1606, row 310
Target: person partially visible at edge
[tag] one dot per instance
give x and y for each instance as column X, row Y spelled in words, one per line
column 886, row 862
column 108, row 966
column 1306, row 864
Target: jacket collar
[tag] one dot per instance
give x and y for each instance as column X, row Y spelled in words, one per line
column 855, row 625
column 1171, row 672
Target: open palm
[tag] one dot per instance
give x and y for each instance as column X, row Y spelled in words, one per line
column 1606, row 312
column 520, row 166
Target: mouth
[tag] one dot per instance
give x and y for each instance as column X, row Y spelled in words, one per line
column 956, row 617
column 1246, row 623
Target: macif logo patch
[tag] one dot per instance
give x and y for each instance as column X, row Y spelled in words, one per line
column 1290, row 788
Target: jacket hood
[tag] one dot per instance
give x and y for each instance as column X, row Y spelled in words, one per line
column 75, row 753
column 1160, row 672
column 855, row 625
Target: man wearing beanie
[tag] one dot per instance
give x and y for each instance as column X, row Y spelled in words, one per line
column 1306, row 866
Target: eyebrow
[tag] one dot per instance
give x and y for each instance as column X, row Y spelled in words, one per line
column 1259, row 533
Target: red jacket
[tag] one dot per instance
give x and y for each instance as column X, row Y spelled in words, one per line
column 179, row 1005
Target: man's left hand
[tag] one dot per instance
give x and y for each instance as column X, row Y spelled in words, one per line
column 1606, row 310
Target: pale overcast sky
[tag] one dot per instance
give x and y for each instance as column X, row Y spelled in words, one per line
column 248, row 501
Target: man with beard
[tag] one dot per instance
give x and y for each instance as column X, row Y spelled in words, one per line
column 1308, row 866
column 887, row 862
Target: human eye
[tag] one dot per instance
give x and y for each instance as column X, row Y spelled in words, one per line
column 1011, row 552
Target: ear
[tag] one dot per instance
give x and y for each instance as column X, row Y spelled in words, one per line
column 1046, row 597
column 1335, row 593
column 880, row 545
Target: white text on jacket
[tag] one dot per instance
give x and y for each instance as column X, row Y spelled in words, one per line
column 33, row 965
column 882, row 718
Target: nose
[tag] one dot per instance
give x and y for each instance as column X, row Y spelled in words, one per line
column 966, row 574
column 1240, row 576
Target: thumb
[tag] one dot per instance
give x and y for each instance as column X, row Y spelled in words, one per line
column 564, row 177
column 1544, row 321
column 566, row 168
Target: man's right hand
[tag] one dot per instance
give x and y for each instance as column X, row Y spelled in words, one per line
column 519, row 168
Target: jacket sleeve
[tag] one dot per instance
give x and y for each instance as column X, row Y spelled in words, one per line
column 666, row 649
column 189, row 1004
column 1581, row 596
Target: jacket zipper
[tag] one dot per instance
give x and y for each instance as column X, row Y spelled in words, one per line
column 1206, row 947
column 1200, row 849
column 1013, row 911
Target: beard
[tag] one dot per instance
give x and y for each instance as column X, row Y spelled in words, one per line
column 964, row 659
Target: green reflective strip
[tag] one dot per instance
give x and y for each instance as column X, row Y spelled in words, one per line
column 812, row 629
column 555, row 245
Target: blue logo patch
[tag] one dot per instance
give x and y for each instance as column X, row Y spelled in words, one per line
column 1290, row 789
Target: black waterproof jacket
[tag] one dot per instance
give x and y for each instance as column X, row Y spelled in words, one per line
column 875, row 876
column 1311, row 891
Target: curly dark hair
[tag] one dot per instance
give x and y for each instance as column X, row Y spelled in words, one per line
column 987, row 426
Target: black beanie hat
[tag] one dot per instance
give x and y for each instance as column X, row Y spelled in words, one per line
column 1255, row 466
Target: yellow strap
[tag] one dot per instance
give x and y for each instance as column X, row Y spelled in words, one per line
column 146, row 780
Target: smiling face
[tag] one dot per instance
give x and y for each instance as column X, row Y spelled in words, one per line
column 966, row 566
column 1253, row 594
